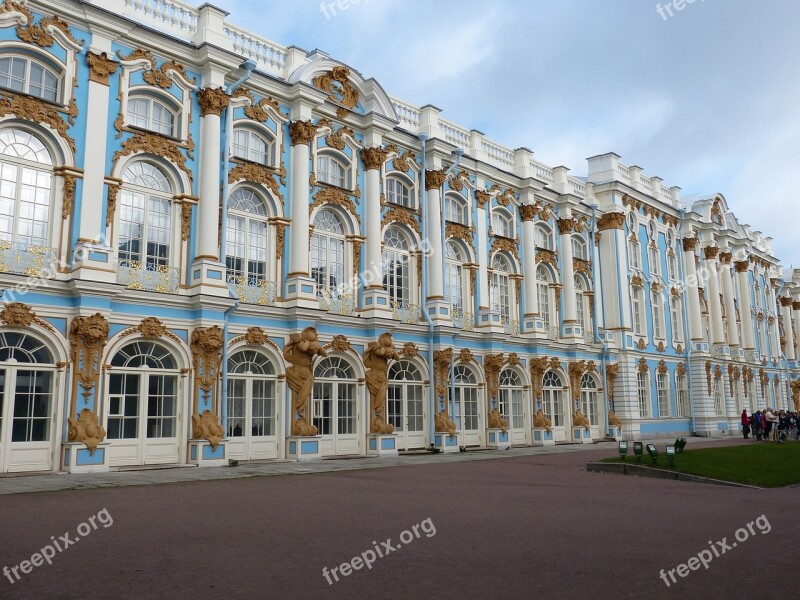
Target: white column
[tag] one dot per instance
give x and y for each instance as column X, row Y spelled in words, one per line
column 373, row 160
column 727, row 292
column 692, row 282
column 483, row 254
column 796, row 312
column 613, row 253
column 772, row 299
column 745, row 305
column 598, row 291
column 302, row 133
column 565, row 227
column 788, row 327
column 212, row 103
column 528, row 212
column 712, row 296
column 434, row 180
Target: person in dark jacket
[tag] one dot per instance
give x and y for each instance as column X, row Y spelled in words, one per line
column 757, row 424
column 745, row 423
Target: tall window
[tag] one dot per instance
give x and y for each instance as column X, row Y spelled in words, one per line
column 682, row 387
column 455, row 209
column 333, row 171
column 327, row 252
column 502, row 223
column 246, row 255
column 253, row 146
column 589, row 398
column 672, row 265
column 637, row 309
column 553, row 398
column 499, row 292
column 26, row 175
column 252, row 397
column 405, row 398
column 543, row 295
column 579, row 250
column 152, row 114
column 30, row 77
column 510, row 401
column 582, row 304
column 662, row 389
column 145, row 217
column 396, row 271
column 466, row 398
column 657, row 302
column 643, row 391
column 654, row 260
column 718, row 389
column 334, row 397
column 676, row 318
column 453, row 282
column 544, row 237
column 634, row 254
column 398, row 192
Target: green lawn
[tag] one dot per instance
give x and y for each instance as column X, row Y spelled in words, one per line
column 762, row 464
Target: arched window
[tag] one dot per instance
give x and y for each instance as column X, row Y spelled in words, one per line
column 334, row 407
column 466, row 399
column 579, row 248
column 543, row 295
column 544, row 237
column 553, row 398
column 500, row 292
column 682, row 389
column 396, row 267
column 589, row 398
column 23, row 74
column 153, row 114
column 676, row 317
column 453, row 281
column 634, row 254
column 143, row 395
column 455, row 209
column 406, row 404
column 502, row 223
column 663, row 391
column 718, row 392
column 397, row 192
column 637, row 310
column 333, row 171
column 145, row 217
column 327, row 252
column 672, row 265
column 254, row 146
column 26, row 181
column 643, row 393
column 654, row 260
column 27, row 375
column 252, row 405
column 246, row 253
column 582, row 304
column 510, row 401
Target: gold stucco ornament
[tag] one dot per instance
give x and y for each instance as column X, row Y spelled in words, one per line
column 300, row 353
column 376, row 359
column 86, row 429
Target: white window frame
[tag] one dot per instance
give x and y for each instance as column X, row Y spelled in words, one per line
column 663, row 391
column 56, row 70
column 246, row 152
column 643, row 393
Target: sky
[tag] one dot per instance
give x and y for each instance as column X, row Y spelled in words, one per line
column 708, row 99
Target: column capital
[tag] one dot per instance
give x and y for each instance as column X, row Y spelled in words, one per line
column 566, row 226
column 374, row 158
column 612, row 220
column 785, row 301
column 795, row 305
column 690, row 244
column 527, row 212
column 741, row 266
column 725, row 257
column 302, row 132
column 710, row 252
column 100, row 66
column 435, row 179
column 212, row 101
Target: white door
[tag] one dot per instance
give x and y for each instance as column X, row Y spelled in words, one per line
column 28, row 410
column 467, row 412
column 252, row 407
column 143, row 412
column 511, row 406
column 553, row 405
column 590, row 404
column 406, row 407
column 335, row 409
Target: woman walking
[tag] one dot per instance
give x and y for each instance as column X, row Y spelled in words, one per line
column 745, row 423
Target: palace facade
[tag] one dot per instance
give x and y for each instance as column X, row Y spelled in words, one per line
column 205, row 235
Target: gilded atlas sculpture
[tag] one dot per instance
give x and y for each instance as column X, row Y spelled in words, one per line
column 441, row 364
column 538, row 367
column 492, row 365
column 576, row 370
column 300, row 353
column 796, row 394
column 376, row 359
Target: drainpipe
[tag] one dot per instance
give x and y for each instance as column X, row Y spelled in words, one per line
column 227, row 127
column 686, row 332
column 597, row 338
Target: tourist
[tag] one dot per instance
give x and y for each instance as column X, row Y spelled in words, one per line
column 758, row 425
column 769, row 423
column 745, row 423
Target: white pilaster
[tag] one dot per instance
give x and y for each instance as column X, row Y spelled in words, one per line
column 712, row 298
column 376, row 300
column 730, row 304
column 692, row 282
column 745, row 305
column 788, row 326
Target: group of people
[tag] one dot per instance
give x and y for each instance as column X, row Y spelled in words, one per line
column 769, row 425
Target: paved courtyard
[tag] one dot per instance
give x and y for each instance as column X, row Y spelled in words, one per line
column 531, row 525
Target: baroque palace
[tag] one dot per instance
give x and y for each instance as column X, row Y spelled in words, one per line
column 216, row 247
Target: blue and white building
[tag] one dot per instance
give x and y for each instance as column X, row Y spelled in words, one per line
column 180, row 196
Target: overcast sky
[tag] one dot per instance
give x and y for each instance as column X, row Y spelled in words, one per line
column 708, row 99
